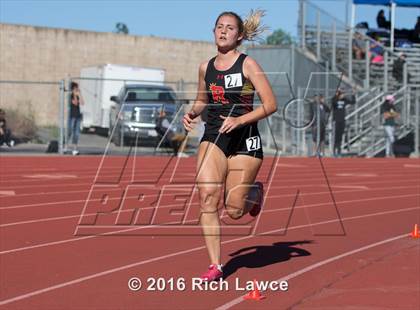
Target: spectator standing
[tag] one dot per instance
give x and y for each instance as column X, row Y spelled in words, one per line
column 320, row 114
column 398, row 69
column 338, row 104
column 75, row 117
column 389, row 113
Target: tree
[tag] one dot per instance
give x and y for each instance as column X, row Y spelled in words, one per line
column 121, row 28
column 279, row 37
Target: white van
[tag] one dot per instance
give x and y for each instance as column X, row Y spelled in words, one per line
column 98, row 83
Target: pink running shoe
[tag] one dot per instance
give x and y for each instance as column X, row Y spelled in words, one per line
column 256, row 209
column 212, row 274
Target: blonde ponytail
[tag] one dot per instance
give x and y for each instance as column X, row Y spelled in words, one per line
column 252, row 27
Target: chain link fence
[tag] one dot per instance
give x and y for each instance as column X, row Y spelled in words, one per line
column 33, row 118
column 28, row 110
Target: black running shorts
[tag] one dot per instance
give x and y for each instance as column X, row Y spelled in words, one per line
column 242, row 141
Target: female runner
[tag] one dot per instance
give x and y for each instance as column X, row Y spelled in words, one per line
column 230, row 152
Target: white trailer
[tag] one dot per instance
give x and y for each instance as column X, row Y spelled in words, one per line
column 98, row 83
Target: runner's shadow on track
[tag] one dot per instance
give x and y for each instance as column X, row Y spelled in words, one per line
column 264, row 255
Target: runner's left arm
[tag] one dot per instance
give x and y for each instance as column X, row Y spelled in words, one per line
column 256, row 75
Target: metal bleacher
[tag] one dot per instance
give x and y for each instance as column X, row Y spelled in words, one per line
column 330, row 41
column 413, row 57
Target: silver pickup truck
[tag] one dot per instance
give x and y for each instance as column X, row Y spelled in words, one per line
column 136, row 111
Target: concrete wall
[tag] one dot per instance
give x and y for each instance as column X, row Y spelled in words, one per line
column 45, row 54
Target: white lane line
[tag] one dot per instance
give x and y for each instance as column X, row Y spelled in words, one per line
column 196, row 204
column 291, row 165
column 357, row 174
column 117, row 171
column 331, row 175
column 131, row 228
column 291, row 186
column 281, row 186
column 351, row 186
column 411, row 166
column 53, row 176
column 89, row 173
column 16, row 170
column 7, row 193
column 238, row 300
column 158, row 258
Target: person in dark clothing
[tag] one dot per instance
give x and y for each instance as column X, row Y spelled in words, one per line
column 390, row 114
column 5, row 133
column 164, row 130
column 338, row 104
column 75, row 116
column 381, row 20
column 319, row 108
column 398, row 69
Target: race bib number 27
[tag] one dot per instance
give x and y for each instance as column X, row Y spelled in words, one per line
column 253, row 143
column 233, row 80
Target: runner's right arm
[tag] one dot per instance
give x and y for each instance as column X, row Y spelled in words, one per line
column 200, row 101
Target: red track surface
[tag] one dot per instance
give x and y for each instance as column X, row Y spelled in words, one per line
column 336, row 230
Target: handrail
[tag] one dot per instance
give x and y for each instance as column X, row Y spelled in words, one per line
column 397, row 101
column 366, row 123
column 374, row 89
column 348, row 116
column 380, row 142
column 356, row 137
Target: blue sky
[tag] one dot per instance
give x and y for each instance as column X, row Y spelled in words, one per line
column 186, row 19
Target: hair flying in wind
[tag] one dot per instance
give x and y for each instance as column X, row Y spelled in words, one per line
column 251, row 27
